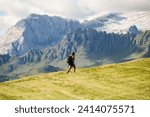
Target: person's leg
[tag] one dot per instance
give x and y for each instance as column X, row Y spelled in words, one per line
column 69, row 69
column 74, row 67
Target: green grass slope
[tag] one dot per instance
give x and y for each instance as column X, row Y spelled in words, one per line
column 130, row 80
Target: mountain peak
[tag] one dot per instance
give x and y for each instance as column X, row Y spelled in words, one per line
column 134, row 30
column 33, row 15
column 36, row 32
column 118, row 22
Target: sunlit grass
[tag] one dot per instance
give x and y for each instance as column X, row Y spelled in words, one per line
column 129, row 80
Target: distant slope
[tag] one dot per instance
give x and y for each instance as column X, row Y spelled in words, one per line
column 129, row 80
column 119, row 22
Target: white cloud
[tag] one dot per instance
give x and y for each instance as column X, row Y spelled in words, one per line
column 79, row 9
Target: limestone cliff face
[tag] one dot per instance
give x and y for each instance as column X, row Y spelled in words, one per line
column 91, row 46
column 4, row 59
column 35, row 32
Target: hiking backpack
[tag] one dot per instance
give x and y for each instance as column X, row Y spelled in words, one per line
column 69, row 60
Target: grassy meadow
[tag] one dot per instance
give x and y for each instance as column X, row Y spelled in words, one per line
column 129, row 80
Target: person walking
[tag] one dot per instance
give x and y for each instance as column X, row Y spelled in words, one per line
column 71, row 62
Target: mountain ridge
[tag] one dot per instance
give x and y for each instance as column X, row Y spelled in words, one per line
column 39, row 31
column 92, row 49
column 35, row 32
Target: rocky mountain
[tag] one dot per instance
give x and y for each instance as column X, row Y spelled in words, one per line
column 4, row 58
column 35, row 32
column 40, row 31
column 101, row 22
column 95, row 48
column 42, row 44
column 119, row 22
column 143, row 41
column 134, row 30
column 92, row 48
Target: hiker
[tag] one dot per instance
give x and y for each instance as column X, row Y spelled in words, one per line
column 71, row 63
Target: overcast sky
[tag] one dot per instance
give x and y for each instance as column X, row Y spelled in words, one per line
column 13, row 10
